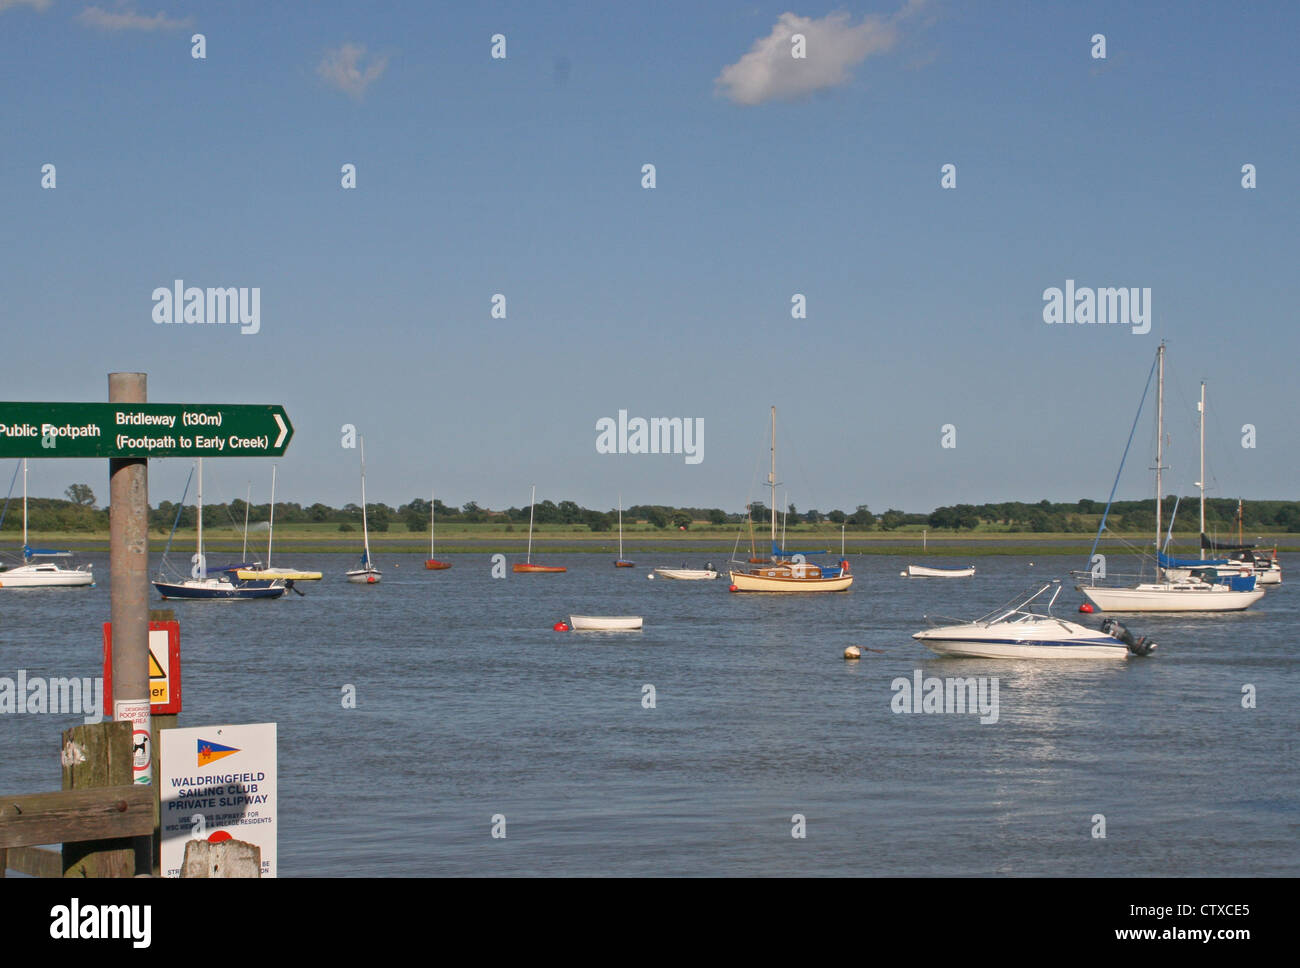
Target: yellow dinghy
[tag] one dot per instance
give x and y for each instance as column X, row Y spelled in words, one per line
column 270, row 574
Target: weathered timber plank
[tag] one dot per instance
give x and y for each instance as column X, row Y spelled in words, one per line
column 98, row 813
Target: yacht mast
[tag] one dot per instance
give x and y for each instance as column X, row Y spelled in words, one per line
column 271, row 524
column 532, row 500
column 365, row 526
column 771, row 477
column 203, row 565
column 1200, row 408
column 1160, row 445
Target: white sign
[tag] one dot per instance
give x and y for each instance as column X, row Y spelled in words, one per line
column 218, row 783
column 136, row 712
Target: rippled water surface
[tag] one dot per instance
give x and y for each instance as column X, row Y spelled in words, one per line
column 469, row 705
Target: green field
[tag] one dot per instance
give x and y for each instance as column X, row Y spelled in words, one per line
column 637, row 539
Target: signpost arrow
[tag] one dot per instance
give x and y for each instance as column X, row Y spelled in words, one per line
column 133, row 430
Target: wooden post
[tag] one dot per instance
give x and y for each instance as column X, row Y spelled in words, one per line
column 129, row 597
column 157, row 725
column 98, row 755
column 228, row 858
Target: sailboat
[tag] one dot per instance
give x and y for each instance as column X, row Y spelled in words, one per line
column 224, row 584
column 1267, row 568
column 1167, row 593
column 42, row 574
column 528, row 568
column 1219, row 569
column 788, row 571
column 365, row 573
column 257, row 571
column 621, row 562
column 432, row 563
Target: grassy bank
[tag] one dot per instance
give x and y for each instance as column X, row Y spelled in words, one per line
column 638, row 540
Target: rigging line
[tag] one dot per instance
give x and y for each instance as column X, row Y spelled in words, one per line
column 1138, row 416
column 180, row 508
column 13, row 480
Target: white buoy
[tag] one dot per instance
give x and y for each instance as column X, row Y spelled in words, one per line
column 902, row 574
column 651, row 576
column 853, row 652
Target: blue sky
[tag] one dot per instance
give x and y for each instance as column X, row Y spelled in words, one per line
column 522, row 176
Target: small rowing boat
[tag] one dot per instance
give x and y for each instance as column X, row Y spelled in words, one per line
column 605, row 623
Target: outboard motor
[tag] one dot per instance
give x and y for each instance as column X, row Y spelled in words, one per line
column 1137, row 645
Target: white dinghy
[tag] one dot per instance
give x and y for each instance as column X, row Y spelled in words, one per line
column 921, row 571
column 605, row 623
column 687, row 574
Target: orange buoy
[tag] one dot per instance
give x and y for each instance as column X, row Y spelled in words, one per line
column 1086, row 608
column 560, row 627
column 734, row 588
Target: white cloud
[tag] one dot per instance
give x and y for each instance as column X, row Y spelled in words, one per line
column 124, row 18
column 833, row 46
column 34, row 4
column 342, row 69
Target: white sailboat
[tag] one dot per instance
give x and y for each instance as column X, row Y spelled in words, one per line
column 1168, row 594
column 365, row 573
column 788, row 571
column 43, row 574
column 621, row 562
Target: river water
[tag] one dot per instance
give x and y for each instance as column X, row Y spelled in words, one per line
column 470, row 706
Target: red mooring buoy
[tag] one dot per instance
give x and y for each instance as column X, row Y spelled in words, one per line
column 734, row 588
column 1086, row 607
column 560, row 627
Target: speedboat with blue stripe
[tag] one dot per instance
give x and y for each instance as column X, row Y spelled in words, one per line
column 1016, row 631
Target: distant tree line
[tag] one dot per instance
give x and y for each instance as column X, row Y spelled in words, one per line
column 79, row 513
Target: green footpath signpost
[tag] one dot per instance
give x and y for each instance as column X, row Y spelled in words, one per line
column 128, row 431
column 143, row 430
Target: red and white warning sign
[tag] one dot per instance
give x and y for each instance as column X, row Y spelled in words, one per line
column 164, row 667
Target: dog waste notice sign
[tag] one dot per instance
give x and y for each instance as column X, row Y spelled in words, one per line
column 218, row 783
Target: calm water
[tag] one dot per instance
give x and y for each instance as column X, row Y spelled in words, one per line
column 470, row 705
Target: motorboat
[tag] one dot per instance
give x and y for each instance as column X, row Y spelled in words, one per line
column 1016, row 631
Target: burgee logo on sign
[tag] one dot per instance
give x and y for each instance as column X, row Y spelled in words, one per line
column 218, row 783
